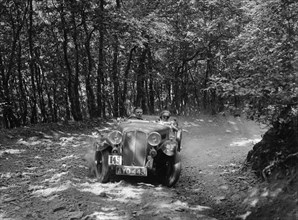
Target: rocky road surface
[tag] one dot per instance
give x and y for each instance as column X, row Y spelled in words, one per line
column 44, row 176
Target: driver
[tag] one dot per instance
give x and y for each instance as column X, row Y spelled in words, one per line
column 138, row 113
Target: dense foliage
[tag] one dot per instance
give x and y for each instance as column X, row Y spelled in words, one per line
column 62, row 60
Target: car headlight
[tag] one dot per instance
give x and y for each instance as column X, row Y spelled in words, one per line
column 172, row 136
column 115, row 137
column 154, row 139
column 169, row 147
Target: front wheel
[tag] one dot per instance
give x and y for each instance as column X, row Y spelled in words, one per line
column 171, row 170
column 102, row 167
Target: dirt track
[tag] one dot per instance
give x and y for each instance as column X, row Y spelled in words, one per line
column 214, row 152
column 43, row 176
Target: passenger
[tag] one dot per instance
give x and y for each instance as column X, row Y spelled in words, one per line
column 165, row 115
column 164, row 118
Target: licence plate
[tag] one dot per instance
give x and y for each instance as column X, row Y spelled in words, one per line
column 131, row 171
column 115, row 160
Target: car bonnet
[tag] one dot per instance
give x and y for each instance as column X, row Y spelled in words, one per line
column 145, row 126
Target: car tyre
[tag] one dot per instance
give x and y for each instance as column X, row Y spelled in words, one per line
column 172, row 170
column 102, row 167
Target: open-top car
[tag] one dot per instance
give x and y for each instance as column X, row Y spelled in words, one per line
column 140, row 148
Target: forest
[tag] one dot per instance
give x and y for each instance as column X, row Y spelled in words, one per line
column 78, row 59
column 69, row 68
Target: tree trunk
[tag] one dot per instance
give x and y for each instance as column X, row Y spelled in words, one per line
column 115, row 79
column 140, row 100
column 177, row 91
column 51, row 118
column 100, row 70
column 90, row 93
column 151, row 89
column 115, row 70
column 67, row 109
column 32, row 68
column 23, row 104
column 197, row 100
column 126, row 108
column 72, row 85
column 207, row 74
column 5, row 93
column 77, row 113
column 185, row 88
column 40, row 90
column 55, row 104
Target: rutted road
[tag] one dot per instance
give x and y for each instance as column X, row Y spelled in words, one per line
column 43, row 177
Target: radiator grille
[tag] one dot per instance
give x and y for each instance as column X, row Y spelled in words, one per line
column 135, row 148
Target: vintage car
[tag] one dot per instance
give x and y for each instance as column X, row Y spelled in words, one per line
column 140, row 148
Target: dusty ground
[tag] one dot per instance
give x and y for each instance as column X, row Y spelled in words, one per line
column 43, row 175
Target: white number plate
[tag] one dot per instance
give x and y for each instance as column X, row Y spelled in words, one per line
column 115, row 160
column 131, row 171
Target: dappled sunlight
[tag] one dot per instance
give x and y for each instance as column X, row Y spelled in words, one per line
column 254, row 202
column 33, row 142
column 194, row 124
column 103, row 129
column 67, row 157
column 8, row 187
column 178, row 205
column 229, row 168
column 244, row 216
column 9, row 175
column 244, row 142
column 120, row 192
column 55, row 178
column 31, row 168
column 108, row 215
column 275, row 193
column 65, row 141
column 43, row 191
column 3, row 216
column 187, row 124
column 11, row 151
column 261, row 195
column 74, row 141
column 46, row 135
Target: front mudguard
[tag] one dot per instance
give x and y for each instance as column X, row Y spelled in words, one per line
column 102, row 145
column 169, row 169
column 175, row 173
column 179, row 138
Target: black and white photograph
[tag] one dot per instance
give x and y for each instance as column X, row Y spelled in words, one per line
column 148, row 109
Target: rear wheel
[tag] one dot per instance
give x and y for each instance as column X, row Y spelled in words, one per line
column 102, row 167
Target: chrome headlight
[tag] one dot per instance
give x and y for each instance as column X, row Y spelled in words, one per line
column 154, row 139
column 169, row 147
column 115, row 137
